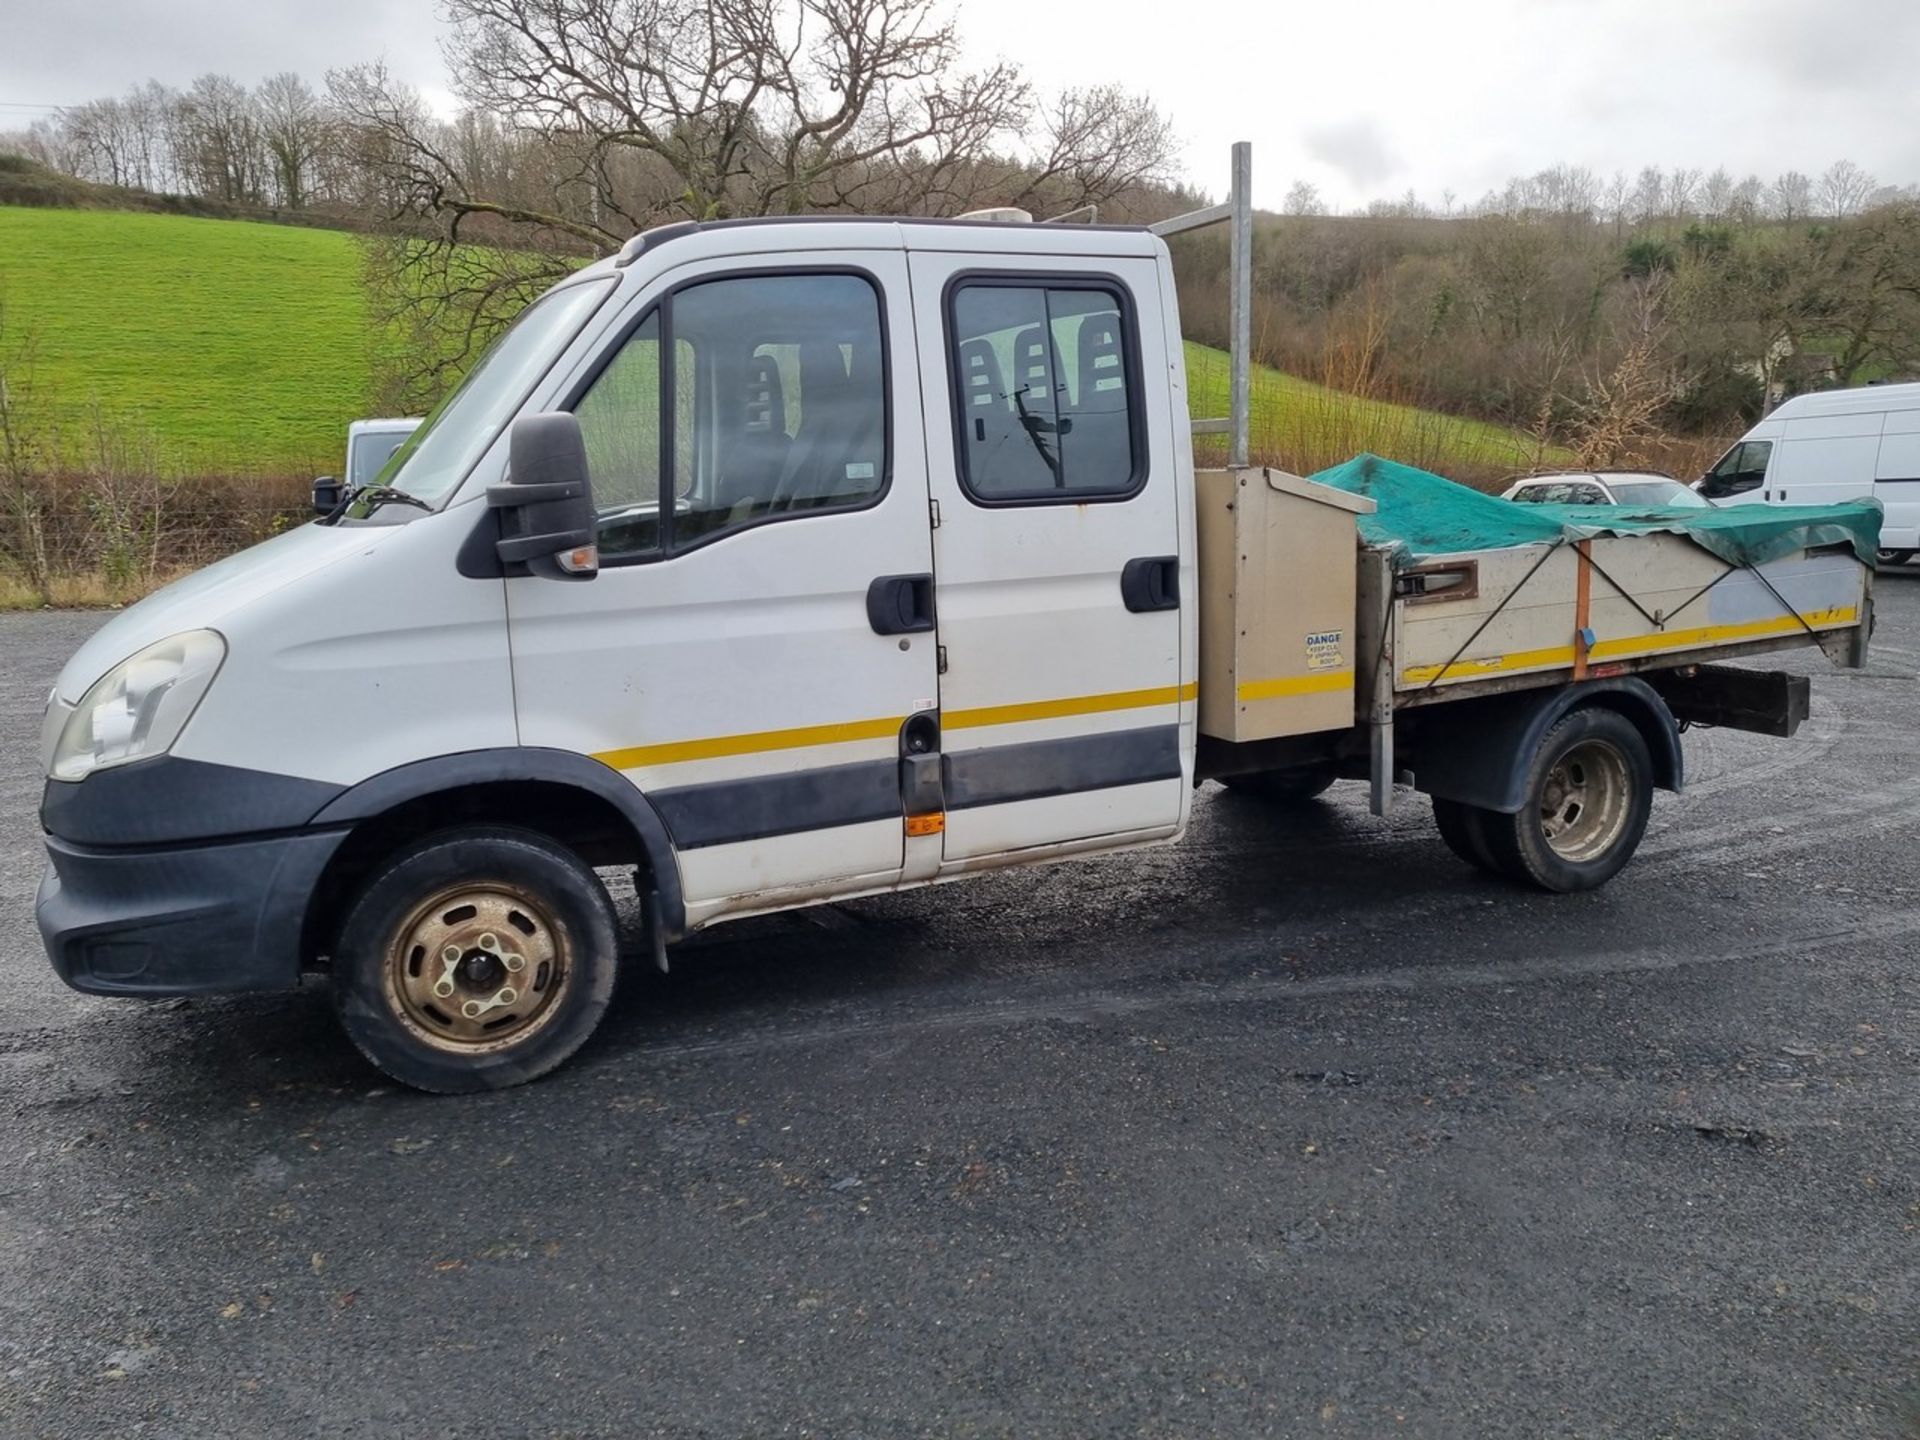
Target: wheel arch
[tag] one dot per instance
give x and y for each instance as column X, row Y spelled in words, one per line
column 570, row 798
column 1477, row 751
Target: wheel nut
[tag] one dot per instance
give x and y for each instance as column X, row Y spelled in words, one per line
column 515, row 963
column 443, row 988
column 490, row 942
column 507, row 996
column 471, row 1009
column 451, row 954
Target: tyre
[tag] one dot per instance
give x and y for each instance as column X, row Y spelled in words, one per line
column 1462, row 826
column 476, row 958
column 1284, row 787
column 1589, row 791
column 1894, row 557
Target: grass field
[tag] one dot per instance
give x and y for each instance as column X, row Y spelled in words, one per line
column 244, row 347
column 1306, row 427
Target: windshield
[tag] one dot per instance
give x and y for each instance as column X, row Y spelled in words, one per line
column 1656, row 492
column 438, row 455
column 369, row 452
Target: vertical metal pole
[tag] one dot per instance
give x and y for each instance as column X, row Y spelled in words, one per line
column 1241, row 308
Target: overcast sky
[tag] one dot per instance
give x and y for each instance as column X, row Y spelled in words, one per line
column 1364, row 98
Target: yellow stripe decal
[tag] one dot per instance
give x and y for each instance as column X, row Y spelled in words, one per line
column 1321, row 682
column 712, row 747
column 1634, row 645
column 1071, row 705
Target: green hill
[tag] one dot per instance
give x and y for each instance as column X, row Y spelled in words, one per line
column 1307, row 427
column 244, row 347
column 247, row 347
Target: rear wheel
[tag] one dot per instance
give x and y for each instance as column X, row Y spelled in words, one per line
column 477, row 958
column 1285, row 787
column 1895, row 557
column 1589, row 791
column 1462, row 826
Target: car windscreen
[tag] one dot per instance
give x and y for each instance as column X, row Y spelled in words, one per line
column 438, row 455
column 1655, row 492
column 370, row 453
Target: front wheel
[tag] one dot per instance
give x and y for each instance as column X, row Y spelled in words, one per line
column 1589, row 792
column 1894, row 557
column 477, row 958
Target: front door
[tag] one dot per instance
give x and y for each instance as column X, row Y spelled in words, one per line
column 1056, row 554
column 727, row 658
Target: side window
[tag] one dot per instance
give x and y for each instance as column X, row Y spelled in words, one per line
column 620, row 421
column 1742, row 468
column 774, row 405
column 1044, row 394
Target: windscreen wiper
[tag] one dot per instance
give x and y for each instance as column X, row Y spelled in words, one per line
column 373, row 497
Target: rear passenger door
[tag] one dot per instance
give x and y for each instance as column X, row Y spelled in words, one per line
column 1056, row 551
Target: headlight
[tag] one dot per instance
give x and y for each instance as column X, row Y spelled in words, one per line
column 138, row 708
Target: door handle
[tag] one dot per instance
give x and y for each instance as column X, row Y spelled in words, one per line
column 1151, row 582
column 900, row 604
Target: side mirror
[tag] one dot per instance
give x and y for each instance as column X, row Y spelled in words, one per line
column 327, row 494
column 547, row 518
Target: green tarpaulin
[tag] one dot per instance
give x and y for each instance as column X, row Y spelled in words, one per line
column 1422, row 515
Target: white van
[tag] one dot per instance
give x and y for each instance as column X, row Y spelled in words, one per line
column 371, row 443
column 1830, row 446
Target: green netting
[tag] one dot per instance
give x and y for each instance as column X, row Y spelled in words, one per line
column 1422, row 515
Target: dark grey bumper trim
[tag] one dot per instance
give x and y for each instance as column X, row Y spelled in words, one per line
column 182, row 920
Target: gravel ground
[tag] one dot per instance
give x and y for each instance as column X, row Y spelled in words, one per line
column 1300, row 1128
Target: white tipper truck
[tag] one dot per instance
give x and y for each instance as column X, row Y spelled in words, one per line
column 787, row 561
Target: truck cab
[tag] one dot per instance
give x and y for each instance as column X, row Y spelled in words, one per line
column 876, row 581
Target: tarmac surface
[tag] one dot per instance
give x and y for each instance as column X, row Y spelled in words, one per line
column 1299, row 1128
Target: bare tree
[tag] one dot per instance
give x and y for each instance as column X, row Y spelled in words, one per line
column 1096, row 145
column 218, row 140
column 1616, row 196
column 293, row 127
column 1683, row 188
column 1716, row 193
column 1844, row 188
column 1791, row 196
column 1649, row 194
column 1303, row 198
column 588, row 120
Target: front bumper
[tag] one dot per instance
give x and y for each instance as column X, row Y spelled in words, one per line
column 180, row 919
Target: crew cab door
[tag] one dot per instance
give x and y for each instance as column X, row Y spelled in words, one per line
column 726, row 657
column 1056, row 554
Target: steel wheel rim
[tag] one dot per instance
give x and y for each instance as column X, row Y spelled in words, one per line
column 1585, row 801
column 477, row 968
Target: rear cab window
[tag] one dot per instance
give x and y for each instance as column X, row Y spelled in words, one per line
column 1047, row 405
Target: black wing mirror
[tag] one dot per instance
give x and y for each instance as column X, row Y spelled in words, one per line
column 327, row 494
column 548, row 523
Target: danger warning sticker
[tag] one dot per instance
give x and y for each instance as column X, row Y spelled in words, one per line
column 1323, row 649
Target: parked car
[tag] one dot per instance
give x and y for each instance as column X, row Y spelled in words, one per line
column 1828, row 446
column 1603, row 487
